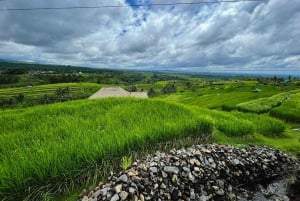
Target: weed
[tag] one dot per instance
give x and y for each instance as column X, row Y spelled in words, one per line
column 126, row 162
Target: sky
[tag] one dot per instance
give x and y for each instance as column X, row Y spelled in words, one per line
column 244, row 36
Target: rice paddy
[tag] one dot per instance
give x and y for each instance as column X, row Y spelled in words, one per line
column 54, row 148
column 41, row 94
column 289, row 110
column 262, row 105
column 47, row 145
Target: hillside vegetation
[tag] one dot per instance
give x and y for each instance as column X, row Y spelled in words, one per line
column 262, row 124
column 44, row 148
column 289, row 110
column 53, row 149
column 262, row 105
column 45, row 94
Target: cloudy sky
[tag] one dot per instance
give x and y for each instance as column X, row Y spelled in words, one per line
column 244, row 36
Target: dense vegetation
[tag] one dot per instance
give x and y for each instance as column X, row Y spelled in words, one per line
column 45, row 94
column 289, row 110
column 263, row 105
column 46, row 146
column 58, row 147
column 262, row 124
column 17, row 74
column 228, row 124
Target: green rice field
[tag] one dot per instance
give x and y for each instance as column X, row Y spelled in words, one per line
column 47, row 145
column 52, row 149
column 39, row 90
column 289, row 110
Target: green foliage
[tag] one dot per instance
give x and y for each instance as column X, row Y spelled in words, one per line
column 227, row 123
column 262, row 105
column 44, row 94
column 225, row 98
column 20, row 97
column 169, row 88
column 8, row 79
column 151, row 92
column 132, row 88
column 126, row 162
column 263, row 124
column 289, row 110
column 227, row 107
column 53, row 144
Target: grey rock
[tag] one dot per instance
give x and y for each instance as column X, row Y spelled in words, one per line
column 202, row 172
column 153, row 169
column 123, row 178
column 186, row 169
column 123, row 195
column 192, row 194
column 115, row 197
column 236, row 161
column 171, row 169
column 97, row 193
column 104, row 191
column 132, row 190
column 164, row 174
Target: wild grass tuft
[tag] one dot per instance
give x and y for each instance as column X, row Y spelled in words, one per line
column 126, row 162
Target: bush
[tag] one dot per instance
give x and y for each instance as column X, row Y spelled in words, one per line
column 169, row 88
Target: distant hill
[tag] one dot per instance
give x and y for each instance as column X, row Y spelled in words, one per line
column 6, row 64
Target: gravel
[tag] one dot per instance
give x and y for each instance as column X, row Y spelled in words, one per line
column 202, row 172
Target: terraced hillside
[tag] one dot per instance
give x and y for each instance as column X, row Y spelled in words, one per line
column 42, row 94
column 53, row 147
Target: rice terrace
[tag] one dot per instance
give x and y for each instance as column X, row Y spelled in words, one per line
column 149, row 100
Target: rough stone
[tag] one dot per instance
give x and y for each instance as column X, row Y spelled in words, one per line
column 201, row 172
column 123, row 195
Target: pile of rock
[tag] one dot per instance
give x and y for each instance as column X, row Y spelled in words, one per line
column 202, row 172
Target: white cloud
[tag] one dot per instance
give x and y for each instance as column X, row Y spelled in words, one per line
column 246, row 35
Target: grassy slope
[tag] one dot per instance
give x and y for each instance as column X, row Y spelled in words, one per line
column 288, row 142
column 228, row 95
column 262, row 105
column 39, row 90
column 53, row 143
column 120, row 122
column 239, row 128
column 289, row 110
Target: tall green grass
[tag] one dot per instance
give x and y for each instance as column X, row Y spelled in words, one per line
column 238, row 124
column 263, row 124
column 48, row 146
column 227, row 123
column 262, row 105
column 289, row 110
column 226, row 98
